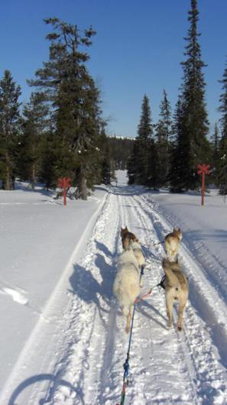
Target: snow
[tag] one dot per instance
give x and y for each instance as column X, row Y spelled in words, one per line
column 62, row 335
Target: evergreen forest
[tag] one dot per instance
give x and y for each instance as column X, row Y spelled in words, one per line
column 167, row 153
column 60, row 132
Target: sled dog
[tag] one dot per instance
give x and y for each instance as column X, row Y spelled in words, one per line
column 127, row 284
column 137, row 250
column 172, row 244
column 176, row 289
column 126, row 237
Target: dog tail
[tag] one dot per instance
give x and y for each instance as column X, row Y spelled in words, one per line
column 166, row 264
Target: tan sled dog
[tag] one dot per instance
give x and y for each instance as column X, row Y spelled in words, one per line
column 172, row 244
column 126, row 284
column 126, row 237
column 176, row 289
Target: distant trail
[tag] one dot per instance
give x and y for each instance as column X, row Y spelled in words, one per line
column 89, row 343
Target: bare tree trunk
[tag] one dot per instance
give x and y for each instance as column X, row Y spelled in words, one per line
column 33, row 176
column 83, row 186
column 7, row 184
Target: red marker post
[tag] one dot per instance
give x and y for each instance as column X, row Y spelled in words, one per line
column 64, row 183
column 203, row 169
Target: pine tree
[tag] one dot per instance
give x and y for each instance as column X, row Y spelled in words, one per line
column 132, row 165
column 163, row 145
column 49, row 158
column 222, row 166
column 75, row 102
column 35, row 114
column 180, row 165
column 223, row 104
column 106, row 170
column 215, row 142
column 193, row 123
column 120, row 150
column 141, row 167
column 9, row 129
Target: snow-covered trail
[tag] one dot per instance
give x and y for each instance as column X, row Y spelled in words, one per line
column 83, row 338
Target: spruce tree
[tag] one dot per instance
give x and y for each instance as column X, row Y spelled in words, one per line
column 141, row 168
column 215, row 144
column 120, row 150
column 193, row 125
column 163, row 146
column 9, row 129
column 74, row 99
column 35, row 115
column 132, row 165
column 222, row 166
column 49, row 159
column 106, row 171
column 180, row 163
column 223, row 104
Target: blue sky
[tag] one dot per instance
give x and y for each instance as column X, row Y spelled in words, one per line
column 137, row 50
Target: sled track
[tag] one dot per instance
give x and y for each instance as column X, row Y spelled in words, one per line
column 151, row 222
column 198, row 344
column 90, row 342
column 212, row 311
column 200, row 318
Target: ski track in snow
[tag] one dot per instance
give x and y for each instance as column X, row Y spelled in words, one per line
column 88, row 342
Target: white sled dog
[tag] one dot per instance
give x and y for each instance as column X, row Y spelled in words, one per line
column 137, row 250
column 172, row 244
column 127, row 284
column 176, row 289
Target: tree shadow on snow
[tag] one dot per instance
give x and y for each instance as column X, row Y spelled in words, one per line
column 198, row 235
column 55, row 382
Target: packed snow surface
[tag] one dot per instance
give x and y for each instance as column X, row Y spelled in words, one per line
column 62, row 338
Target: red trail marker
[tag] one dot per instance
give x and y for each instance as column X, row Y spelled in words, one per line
column 203, row 169
column 64, row 183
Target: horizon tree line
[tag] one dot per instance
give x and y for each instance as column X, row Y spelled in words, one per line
column 60, row 132
column 167, row 154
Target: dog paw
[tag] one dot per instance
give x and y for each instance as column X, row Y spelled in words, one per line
column 179, row 328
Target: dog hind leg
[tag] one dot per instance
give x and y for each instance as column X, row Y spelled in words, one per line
column 180, row 317
column 169, row 308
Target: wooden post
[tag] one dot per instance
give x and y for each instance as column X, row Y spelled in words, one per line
column 64, row 183
column 203, row 169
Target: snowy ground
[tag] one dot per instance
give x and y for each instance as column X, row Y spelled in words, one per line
column 62, row 336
